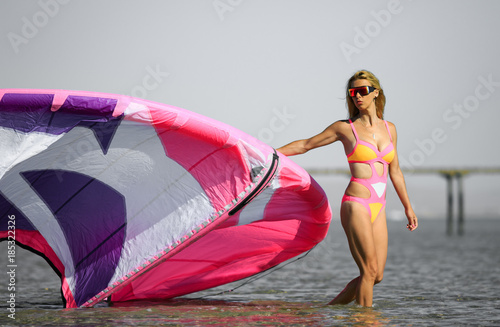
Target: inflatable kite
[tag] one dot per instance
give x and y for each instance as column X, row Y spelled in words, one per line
column 129, row 199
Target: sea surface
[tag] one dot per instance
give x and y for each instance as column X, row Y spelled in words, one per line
column 431, row 279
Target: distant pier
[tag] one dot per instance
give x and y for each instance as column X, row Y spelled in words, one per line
column 448, row 173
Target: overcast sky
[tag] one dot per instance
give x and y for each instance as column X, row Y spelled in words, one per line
column 277, row 70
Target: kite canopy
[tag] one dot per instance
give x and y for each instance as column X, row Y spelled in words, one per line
column 130, row 199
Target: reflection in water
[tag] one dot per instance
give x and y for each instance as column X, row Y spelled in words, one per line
column 224, row 313
column 189, row 312
column 181, row 312
column 360, row 316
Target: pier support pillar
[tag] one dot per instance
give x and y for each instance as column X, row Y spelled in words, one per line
column 449, row 218
column 450, row 176
column 460, row 204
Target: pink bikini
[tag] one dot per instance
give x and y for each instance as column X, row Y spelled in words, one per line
column 368, row 153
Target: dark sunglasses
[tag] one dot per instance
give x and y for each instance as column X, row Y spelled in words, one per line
column 362, row 90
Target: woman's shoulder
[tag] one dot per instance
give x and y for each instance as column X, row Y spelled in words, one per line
column 392, row 127
column 340, row 125
column 341, row 128
column 390, row 124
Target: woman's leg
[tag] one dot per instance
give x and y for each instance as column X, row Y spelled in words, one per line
column 348, row 294
column 380, row 237
column 362, row 243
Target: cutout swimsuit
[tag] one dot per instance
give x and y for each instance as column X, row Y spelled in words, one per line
column 365, row 152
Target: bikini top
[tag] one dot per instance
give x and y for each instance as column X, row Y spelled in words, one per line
column 367, row 152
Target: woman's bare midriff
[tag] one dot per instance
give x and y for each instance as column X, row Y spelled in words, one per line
column 362, row 170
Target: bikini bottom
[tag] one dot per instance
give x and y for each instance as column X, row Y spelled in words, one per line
column 375, row 203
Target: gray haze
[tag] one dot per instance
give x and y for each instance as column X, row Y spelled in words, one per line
column 277, row 70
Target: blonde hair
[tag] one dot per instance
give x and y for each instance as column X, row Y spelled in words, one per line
column 380, row 100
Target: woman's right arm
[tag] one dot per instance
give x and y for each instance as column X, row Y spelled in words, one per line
column 328, row 136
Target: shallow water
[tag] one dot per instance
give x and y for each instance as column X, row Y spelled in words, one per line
column 430, row 279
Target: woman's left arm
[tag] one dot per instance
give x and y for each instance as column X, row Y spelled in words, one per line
column 398, row 181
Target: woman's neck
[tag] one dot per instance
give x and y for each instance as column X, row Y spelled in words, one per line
column 368, row 117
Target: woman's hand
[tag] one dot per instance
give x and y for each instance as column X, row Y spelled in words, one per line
column 412, row 220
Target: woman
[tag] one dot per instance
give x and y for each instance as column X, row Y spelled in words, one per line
column 370, row 145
